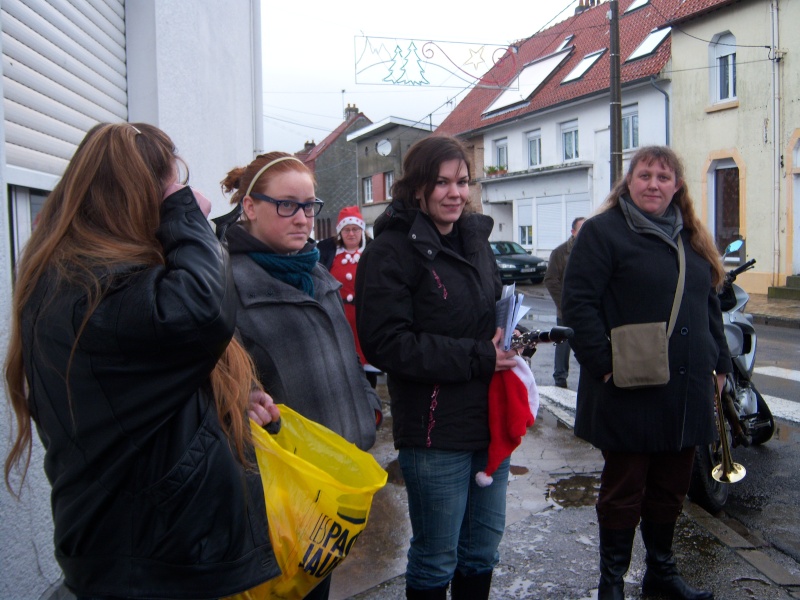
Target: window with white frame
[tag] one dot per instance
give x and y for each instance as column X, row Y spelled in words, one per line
column 388, row 182
column 569, row 140
column 501, row 153
column 524, row 222
column 26, row 203
column 535, row 148
column 724, row 67
column 366, row 184
column 630, row 127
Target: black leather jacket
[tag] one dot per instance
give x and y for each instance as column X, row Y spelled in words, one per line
column 148, row 499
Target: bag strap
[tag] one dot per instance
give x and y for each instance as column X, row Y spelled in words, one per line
column 676, row 303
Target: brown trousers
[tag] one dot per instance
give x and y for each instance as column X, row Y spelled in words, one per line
column 649, row 486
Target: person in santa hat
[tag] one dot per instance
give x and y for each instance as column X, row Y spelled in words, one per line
column 341, row 259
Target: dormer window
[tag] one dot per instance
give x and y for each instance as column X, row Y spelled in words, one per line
column 583, row 66
column 563, row 44
column 650, row 43
column 527, row 83
column 636, row 4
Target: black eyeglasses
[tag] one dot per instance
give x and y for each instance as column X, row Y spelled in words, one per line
column 289, row 208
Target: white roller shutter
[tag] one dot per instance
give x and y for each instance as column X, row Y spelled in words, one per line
column 554, row 215
column 64, row 70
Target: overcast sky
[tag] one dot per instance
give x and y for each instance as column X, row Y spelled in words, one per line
column 314, row 55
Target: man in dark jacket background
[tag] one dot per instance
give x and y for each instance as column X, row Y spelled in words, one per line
column 553, row 280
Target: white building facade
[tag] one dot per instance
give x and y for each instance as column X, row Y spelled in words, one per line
column 539, row 121
column 192, row 69
column 558, row 163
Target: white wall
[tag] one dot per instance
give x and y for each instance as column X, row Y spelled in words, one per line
column 193, row 72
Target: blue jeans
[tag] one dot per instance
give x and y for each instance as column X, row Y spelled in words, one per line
column 455, row 523
column 561, row 370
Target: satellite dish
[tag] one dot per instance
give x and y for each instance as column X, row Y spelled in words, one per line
column 384, row 147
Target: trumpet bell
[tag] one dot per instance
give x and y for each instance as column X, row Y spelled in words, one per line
column 727, row 471
column 736, row 472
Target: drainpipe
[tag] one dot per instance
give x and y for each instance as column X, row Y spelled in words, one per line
column 776, row 145
column 256, row 78
column 666, row 109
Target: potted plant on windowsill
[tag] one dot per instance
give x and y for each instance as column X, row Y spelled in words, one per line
column 502, row 170
column 491, row 171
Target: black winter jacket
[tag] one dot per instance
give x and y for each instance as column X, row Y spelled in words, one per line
column 615, row 276
column 426, row 316
column 148, row 499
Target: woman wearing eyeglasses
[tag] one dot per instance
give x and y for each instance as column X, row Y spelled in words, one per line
column 290, row 316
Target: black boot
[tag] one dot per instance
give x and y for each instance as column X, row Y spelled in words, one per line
column 615, row 558
column 439, row 593
column 473, row 587
column 662, row 574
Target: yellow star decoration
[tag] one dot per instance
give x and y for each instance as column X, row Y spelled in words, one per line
column 475, row 58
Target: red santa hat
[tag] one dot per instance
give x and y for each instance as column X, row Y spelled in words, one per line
column 513, row 405
column 349, row 215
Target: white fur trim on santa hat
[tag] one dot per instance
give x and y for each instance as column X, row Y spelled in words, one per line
column 350, row 215
column 349, row 221
column 525, row 375
column 482, row 479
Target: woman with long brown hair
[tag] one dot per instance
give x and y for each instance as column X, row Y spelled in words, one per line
column 121, row 353
column 625, row 270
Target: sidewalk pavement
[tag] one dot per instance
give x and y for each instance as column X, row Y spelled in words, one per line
column 549, row 549
column 774, row 311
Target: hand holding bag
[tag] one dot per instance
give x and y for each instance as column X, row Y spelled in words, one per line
column 318, row 489
column 640, row 351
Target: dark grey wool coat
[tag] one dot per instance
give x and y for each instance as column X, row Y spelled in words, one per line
column 617, row 275
column 303, row 347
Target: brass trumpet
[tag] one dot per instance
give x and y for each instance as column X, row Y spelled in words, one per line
column 727, row 471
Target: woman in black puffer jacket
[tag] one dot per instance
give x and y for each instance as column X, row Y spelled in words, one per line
column 426, row 289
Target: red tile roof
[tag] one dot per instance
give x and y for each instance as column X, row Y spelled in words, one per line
column 591, row 33
column 690, row 9
column 310, row 157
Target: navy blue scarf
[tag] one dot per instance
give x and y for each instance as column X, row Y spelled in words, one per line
column 294, row 269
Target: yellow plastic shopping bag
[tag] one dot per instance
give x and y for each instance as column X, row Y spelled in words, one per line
column 318, row 489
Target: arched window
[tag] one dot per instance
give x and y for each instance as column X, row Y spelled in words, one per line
column 723, row 68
